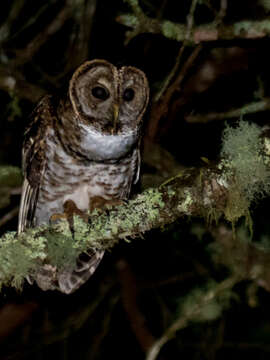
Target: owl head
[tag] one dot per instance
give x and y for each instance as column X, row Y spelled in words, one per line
column 109, row 100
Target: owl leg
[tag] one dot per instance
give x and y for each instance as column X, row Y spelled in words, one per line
column 70, row 209
column 86, row 263
column 100, row 204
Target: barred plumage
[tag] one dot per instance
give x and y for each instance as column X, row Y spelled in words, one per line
column 79, row 147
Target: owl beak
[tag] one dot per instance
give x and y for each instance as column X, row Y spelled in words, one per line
column 115, row 117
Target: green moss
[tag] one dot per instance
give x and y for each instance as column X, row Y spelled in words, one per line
column 10, row 176
column 243, row 148
column 106, row 229
column 172, row 30
column 18, row 256
column 59, row 246
column 185, row 205
column 265, row 4
column 14, row 108
column 61, row 252
column 242, row 151
column 132, row 2
column 129, row 20
column 246, row 26
column 267, row 150
column 210, row 306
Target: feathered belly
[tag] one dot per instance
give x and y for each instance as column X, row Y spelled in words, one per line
column 81, row 184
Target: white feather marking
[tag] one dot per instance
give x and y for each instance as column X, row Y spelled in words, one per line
column 24, row 205
column 138, row 159
column 106, row 147
column 80, row 196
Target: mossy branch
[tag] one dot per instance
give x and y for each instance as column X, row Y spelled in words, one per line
column 198, row 306
column 140, row 23
column 226, row 189
column 250, row 108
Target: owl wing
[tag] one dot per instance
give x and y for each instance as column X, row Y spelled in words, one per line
column 34, row 160
column 134, row 173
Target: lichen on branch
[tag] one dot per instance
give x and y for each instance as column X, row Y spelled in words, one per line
column 225, row 189
column 139, row 22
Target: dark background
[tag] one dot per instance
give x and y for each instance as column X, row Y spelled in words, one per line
column 164, row 267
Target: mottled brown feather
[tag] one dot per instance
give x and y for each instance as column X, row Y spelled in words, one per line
column 80, row 147
column 33, row 159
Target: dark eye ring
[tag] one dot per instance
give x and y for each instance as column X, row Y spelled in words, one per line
column 128, row 94
column 100, row 93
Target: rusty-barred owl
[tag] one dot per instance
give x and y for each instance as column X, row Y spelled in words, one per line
column 81, row 146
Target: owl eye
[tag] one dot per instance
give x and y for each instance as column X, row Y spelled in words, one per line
column 100, row 93
column 128, row 94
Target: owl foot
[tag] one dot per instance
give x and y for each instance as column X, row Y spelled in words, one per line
column 70, row 209
column 100, row 204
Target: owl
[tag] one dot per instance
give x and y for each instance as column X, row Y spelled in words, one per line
column 79, row 147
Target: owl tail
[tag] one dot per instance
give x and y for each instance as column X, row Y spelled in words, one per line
column 86, row 266
column 66, row 281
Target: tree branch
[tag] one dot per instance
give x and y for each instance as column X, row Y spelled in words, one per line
column 41, row 38
column 192, row 312
column 141, row 23
column 225, row 189
column 12, row 81
column 250, row 108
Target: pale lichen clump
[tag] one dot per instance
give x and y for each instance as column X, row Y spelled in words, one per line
column 20, row 256
column 187, row 203
column 60, row 245
column 250, row 28
column 122, row 221
column 130, row 20
column 244, row 162
column 172, row 30
column 210, row 306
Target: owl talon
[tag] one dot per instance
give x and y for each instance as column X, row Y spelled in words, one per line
column 55, row 218
column 70, row 209
column 100, row 204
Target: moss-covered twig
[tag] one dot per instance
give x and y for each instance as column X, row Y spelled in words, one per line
column 41, row 38
column 139, row 22
column 190, row 22
column 226, row 189
column 198, row 306
column 5, row 28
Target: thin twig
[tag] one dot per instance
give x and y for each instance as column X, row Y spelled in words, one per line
column 33, row 46
column 251, row 108
column 247, row 29
column 129, row 300
column 9, row 216
column 79, row 40
column 190, row 21
column 160, row 109
column 16, row 191
column 222, row 12
column 191, row 313
column 12, row 16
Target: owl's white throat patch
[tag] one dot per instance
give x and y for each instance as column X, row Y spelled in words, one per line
column 97, row 146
